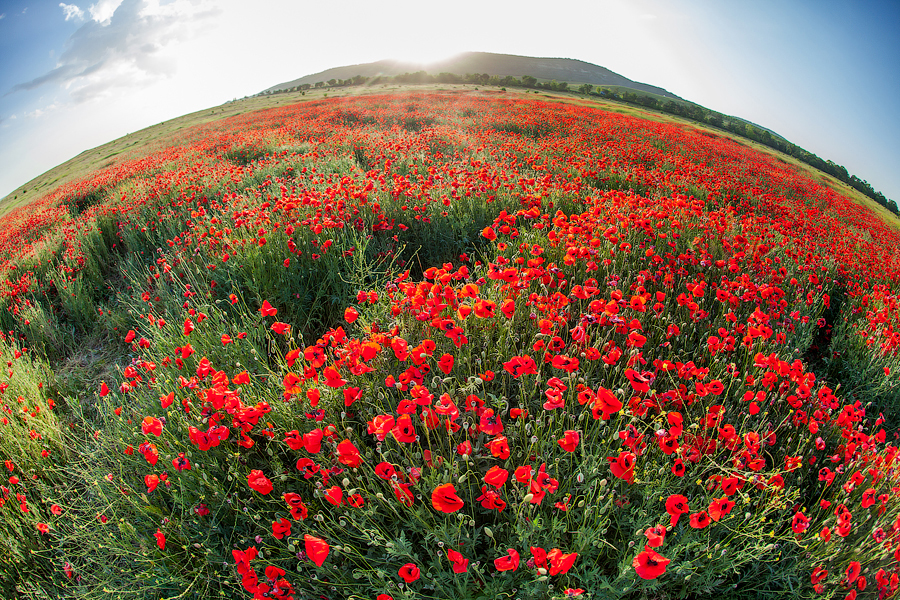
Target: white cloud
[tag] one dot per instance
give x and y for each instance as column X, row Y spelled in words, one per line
column 124, row 45
column 103, row 11
column 2, row 15
column 72, row 11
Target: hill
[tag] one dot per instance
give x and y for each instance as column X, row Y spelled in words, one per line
column 500, row 65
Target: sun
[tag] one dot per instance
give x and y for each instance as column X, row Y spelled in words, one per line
column 425, row 54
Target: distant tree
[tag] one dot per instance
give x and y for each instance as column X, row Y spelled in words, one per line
column 586, row 88
column 320, row 84
column 528, row 81
column 332, row 82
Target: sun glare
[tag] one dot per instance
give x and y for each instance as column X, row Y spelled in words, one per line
column 424, row 54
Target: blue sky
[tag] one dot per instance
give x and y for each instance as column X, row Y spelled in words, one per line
column 78, row 74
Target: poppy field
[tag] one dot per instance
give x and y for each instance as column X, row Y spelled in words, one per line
column 449, row 345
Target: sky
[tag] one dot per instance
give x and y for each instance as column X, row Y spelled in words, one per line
column 74, row 76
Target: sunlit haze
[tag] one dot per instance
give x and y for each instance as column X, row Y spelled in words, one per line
column 822, row 74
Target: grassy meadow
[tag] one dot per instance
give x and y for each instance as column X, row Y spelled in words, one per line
column 440, row 342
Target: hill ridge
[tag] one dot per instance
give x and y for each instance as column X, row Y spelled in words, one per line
column 501, row 65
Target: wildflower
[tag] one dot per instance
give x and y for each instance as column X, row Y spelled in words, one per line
column 151, row 425
column 281, row 528
column 259, row 482
column 444, row 498
column 622, row 466
column 676, row 505
column 799, row 523
column 655, row 536
column 316, row 549
column 649, row 564
column 348, row 454
column 569, row 441
column 409, row 572
column 560, row 562
column 720, row 507
column 496, row 476
column 700, row 520
column 510, row 562
column 160, row 539
column 459, row 564
column 499, row 447
column 267, row 310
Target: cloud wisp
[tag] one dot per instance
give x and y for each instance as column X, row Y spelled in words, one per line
column 121, row 45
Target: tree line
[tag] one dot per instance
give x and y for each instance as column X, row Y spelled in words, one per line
column 686, row 110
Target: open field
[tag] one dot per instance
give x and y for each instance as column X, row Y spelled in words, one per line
column 440, row 342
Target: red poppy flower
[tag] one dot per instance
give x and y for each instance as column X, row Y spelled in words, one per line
column 188, row 327
column 676, row 505
column 510, row 562
column 491, row 500
column 459, row 563
column 818, row 575
column 655, row 536
column 348, row 454
column 649, row 564
column 316, row 549
column 151, row 425
column 508, row 308
column 622, row 466
column 333, row 377
column 404, row 431
column 259, row 482
column 312, row 441
column 334, row 495
column 351, row 395
column 496, row 476
column 444, row 498
column 446, row 364
column 280, row 328
column 853, row 571
column 296, row 506
column 104, row 390
column 559, row 562
column 181, row 462
column 151, row 481
column 799, row 523
column 490, row 423
column 268, row 310
column 499, row 447
column 700, row 520
column 520, row 365
column 160, row 539
column 409, row 572
column 720, row 507
column 569, row 441
column 605, row 404
column 281, row 528
column 242, row 378
column 242, row 559
column 350, row 314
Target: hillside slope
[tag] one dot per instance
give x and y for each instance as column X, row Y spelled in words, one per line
column 501, row 65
